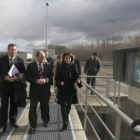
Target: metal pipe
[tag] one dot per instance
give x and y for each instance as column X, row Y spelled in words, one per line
column 85, row 119
column 114, row 92
column 47, row 4
column 106, row 77
column 119, row 92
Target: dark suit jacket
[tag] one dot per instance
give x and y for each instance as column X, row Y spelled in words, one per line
column 50, row 61
column 77, row 63
column 33, row 74
column 4, row 69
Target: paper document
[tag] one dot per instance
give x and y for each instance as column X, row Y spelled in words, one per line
column 13, row 71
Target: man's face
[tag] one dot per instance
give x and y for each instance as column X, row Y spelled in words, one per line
column 41, row 57
column 59, row 60
column 46, row 54
column 12, row 51
column 94, row 56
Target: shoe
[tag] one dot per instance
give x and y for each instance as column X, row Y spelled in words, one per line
column 3, row 129
column 45, row 124
column 31, row 131
column 67, row 121
column 92, row 93
column 29, row 98
column 14, row 125
column 64, row 127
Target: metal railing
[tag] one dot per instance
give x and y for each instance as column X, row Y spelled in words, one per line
column 119, row 114
column 112, row 87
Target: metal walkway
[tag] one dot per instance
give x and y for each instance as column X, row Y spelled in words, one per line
column 52, row 131
column 9, row 131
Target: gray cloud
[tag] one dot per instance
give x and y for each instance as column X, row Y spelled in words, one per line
column 68, row 21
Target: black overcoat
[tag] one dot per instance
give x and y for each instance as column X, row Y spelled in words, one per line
column 67, row 94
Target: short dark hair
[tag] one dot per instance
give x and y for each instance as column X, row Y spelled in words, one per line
column 95, row 53
column 59, row 56
column 11, row 45
column 45, row 50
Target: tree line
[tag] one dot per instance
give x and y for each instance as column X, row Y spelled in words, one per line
column 104, row 47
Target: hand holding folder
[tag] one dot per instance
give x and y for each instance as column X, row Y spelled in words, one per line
column 13, row 71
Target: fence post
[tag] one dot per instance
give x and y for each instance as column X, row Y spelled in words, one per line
column 114, row 92
column 117, row 127
column 119, row 92
column 108, row 87
column 85, row 118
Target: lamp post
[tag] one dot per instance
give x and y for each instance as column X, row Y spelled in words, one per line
column 47, row 4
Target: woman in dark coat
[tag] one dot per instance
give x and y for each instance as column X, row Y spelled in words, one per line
column 66, row 78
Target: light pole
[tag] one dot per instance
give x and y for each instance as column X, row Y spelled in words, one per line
column 47, row 4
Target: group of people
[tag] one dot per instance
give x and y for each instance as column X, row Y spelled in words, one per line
column 66, row 73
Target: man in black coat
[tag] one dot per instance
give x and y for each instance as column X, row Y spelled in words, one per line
column 77, row 63
column 40, row 76
column 48, row 59
column 92, row 67
column 7, row 86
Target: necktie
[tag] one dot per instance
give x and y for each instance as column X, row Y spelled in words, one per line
column 11, row 62
column 40, row 71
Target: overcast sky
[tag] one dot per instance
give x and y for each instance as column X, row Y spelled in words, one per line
column 74, row 21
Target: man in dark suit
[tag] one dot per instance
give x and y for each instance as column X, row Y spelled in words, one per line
column 77, row 63
column 92, row 67
column 7, row 86
column 48, row 59
column 40, row 76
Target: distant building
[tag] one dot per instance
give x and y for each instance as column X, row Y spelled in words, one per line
column 22, row 55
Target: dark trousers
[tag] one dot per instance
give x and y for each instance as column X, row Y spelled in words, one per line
column 91, row 81
column 5, row 96
column 44, row 107
column 65, row 110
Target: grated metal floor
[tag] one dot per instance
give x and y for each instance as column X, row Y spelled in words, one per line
column 4, row 136
column 52, row 131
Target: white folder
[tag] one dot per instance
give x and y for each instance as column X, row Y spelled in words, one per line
column 13, row 71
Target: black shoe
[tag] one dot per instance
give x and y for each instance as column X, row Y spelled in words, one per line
column 64, row 127
column 3, row 129
column 67, row 121
column 92, row 93
column 45, row 124
column 31, row 131
column 14, row 125
column 29, row 98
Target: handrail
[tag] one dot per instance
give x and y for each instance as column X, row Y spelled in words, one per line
column 124, row 117
column 109, row 132
column 106, row 77
column 90, row 123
